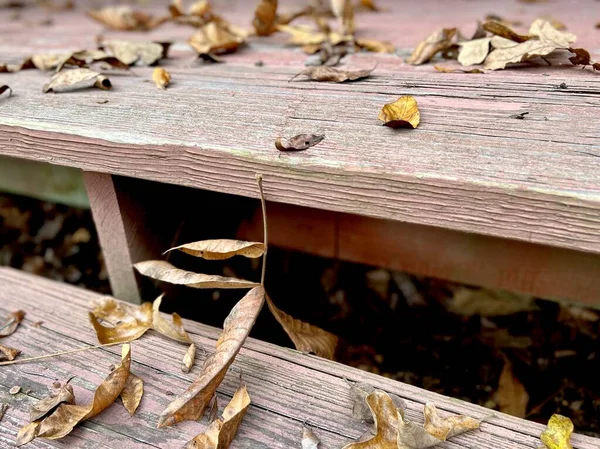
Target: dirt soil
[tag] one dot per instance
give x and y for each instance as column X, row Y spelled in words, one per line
column 447, row 338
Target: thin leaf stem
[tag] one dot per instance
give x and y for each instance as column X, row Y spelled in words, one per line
column 259, row 179
column 72, row 351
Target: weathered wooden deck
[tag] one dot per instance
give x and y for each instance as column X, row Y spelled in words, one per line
column 287, row 387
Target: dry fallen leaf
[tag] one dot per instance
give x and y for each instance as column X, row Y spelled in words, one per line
column 47, row 405
column 402, row 113
column 189, row 358
column 3, row 408
column 370, row 5
column 8, row 353
column 333, row 75
column 557, row 434
column 303, row 35
column 502, row 30
column 132, row 393
column 375, row 46
column 441, row 69
column 221, row 432
column 299, row 142
column 67, row 80
column 4, row 88
column 306, row 337
column 511, row 396
column 444, row 428
column 220, row 249
column 486, row 302
column 582, row 57
column 544, row 30
column 124, row 18
column 474, row 52
column 85, row 58
column 130, row 52
column 62, row 421
column 161, row 78
column 438, row 41
column 216, row 38
column 12, row 322
column 309, row 439
column 191, row 404
column 387, row 422
column 164, row 271
column 344, row 11
column 172, row 329
column 360, row 409
column 265, row 17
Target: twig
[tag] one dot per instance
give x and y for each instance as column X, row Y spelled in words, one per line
column 72, row 351
column 259, row 179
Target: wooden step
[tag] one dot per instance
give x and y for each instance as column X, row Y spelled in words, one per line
column 287, row 387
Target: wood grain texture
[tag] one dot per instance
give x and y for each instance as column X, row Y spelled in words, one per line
column 286, row 387
column 540, row 270
column 468, row 167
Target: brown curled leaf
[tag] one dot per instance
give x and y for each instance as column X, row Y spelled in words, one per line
column 333, row 75
column 216, row 38
column 188, row 359
column 444, row 428
column 164, row 271
column 221, row 432
column 8, row 353
column 220, row 249
column 47, row 405
column 375, row 46
column 132, row 393
column 191, row 404
column 124, row 18
column 265, row 17
column 402, row 113
column 299, row 142
column 115, row 321
column 12, row 322
column 134, row 52
column 502, row 30
column 306, row 337
column 161, row 78
column 172, row 329
column 67, row 80
column 438, row 42
column 360, row 409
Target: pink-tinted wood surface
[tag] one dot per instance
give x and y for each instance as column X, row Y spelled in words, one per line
column 468, row 167
column 286, row 387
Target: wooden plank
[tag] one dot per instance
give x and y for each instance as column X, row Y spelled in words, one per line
column 540, row 270
column 468, row 167
column 287, row 387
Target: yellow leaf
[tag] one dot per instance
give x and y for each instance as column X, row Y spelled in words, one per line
column 126, row 321
column 132, row 393
column 161, row 78
column 221, row 249
column 164, row 271
column 303, row 35
column 444, row 428
column 189, row 358
column 221, row 432
column 173, row 329
column 191, row 404
column 402, row 113
column 558, row 433
column 306, row 337
column 215, row 37
column 265, row 17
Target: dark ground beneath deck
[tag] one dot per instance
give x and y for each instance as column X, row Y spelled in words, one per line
column 391, row 324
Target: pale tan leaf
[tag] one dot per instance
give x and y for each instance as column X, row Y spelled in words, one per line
column 47, row 405
column 299, row 142
column 173, row 329
column 333, row 75
column 11, row 324
column 265, row 17
column 474, row 52
column 375, row 45
column 161, row 78
column 303, row 35
column 439, row 68
column 216, row 38
column 62, row 421
column 27, row 433
column 125, row 322
column 192, row 403
column 164, row 271
column 8, row 353
column 132, row 393
column 557, row 434
column 344, row 11
column 387, row 421
column 502, row 42
column 306, row 337
column 67, row 80
column 544, row 30
column 402, row 113
column 511, row 396
column 124, row 18
column 485, row 302
column 438, row 41
column 309, row 439
column 221, row 249
column 189, row 358
column 444, row 428
column 360, row 409
column 131, row 52
column 3, row 408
